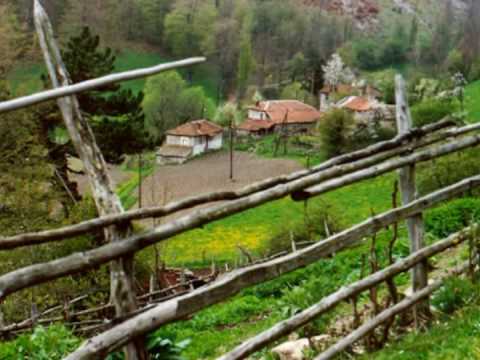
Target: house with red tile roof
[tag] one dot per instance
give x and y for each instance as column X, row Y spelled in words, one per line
column 330, row 94
column 272, row 115
column 366, row 109
column 189, row 140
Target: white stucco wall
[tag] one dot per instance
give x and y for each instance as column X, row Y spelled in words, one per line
column 256, row 115
column 180, row 140
column 199, row 143
column 216, row 143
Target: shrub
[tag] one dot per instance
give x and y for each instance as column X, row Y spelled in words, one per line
column 367, row 55
column 452, row 217
column 165, row 349
column 159, row 348
column 455, row 62
column 313, row 228
column 44, row 344
column 431, row 111
column 474, row 73
column 369, row 135
column 296, row 91
column 448, row 170
column 455, row 294
column 335, row 129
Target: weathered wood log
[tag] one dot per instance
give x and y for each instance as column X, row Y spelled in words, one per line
column 408, row 190
column 232, row 283
column 119, row 219
column 286, row 327
column 28, row 323
column 89, row 85
column 121, row 280
column 388, row 166
column 75, row 263
column 385, row 315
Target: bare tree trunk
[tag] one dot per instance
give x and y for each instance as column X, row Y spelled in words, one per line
column 121, row 275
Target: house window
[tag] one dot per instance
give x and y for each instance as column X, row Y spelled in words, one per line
column 185, row 141
column 256, row 115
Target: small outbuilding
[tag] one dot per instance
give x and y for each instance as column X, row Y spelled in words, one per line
column 189, row 140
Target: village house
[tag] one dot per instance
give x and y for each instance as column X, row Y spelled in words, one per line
column 367, row 110
column 276, row 115
column 189, row 140
column 329, row 95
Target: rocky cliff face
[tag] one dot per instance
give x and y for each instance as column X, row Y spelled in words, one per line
column 366, row 12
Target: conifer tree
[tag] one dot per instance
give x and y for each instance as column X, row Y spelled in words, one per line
column 115, row 113
column 246, row 61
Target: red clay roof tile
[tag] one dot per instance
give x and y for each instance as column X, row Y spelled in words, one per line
column 196, row 128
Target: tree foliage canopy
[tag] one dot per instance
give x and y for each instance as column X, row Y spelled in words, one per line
column 169, row 102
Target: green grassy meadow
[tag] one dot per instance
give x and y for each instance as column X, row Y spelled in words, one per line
column 253, row 228
column 472, row 96
column 25, row 78
column 457, row 337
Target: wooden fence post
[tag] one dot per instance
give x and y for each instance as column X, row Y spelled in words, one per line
column 122, row 286
column 409, row 193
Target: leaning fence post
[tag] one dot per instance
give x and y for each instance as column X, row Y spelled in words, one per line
column 409, row 193
column 108, row 203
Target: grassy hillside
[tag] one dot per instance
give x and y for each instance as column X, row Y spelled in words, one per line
column 455, row 337
column 253, row 229
column 472, row 94
column 25, row 78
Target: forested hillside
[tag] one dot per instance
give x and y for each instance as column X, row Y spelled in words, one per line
column 298, row 120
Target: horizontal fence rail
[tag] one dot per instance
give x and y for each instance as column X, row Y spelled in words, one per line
column 232, row 283
column 388, row 314
column 288, row 326
column 401, row 144
column 93, row 84
column 41, row 273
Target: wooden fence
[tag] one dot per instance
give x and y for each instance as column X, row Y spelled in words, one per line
column 131, row 323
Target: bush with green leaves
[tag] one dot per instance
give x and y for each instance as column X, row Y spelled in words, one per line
column 452, row 217
column 50, row 343
column 448, row 170
column 335, row 129
column 432, row 110
column 165, row 349
column 455, row 294
column 297, row 91
column 318, row 220
column 159, row 347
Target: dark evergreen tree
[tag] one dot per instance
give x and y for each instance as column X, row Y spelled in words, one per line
column 115, row 113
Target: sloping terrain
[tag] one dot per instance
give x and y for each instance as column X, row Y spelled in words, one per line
column 366, row 12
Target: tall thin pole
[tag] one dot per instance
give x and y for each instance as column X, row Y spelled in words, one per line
column 140, row 180
column 231, row 149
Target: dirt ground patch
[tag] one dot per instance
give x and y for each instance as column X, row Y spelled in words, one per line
column 117, row 175
column 210, row 173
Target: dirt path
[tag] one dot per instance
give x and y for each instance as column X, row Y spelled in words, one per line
column 117, row 174
column 210, row 173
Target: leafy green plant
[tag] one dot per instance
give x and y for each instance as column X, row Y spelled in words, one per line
column 335, row 130
column 452, row 217
column 166, row 349
column 448, row 170
column 44, row 344
column 432, row 110
column 455, row 294
column 317, row 221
